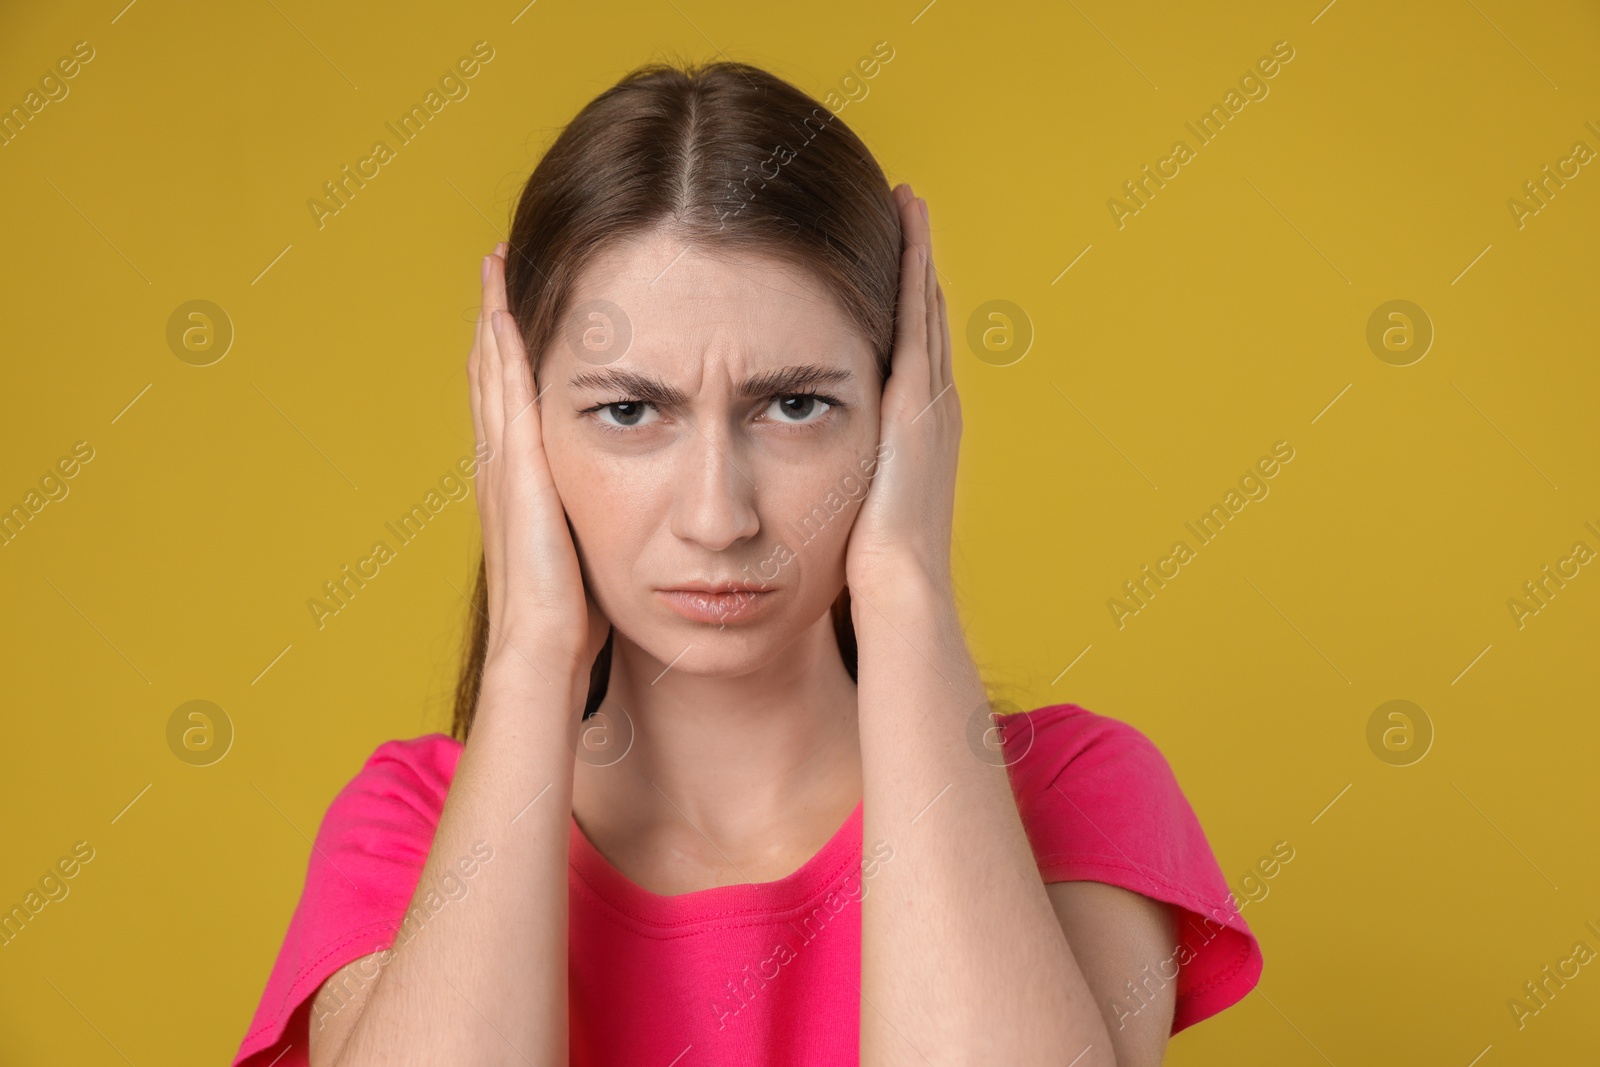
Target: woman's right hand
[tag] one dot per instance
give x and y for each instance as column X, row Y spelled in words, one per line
column 540, row 611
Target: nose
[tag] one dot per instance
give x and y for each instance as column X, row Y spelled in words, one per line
column 713, row 501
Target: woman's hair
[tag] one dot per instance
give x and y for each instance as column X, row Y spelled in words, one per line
column 729, row 157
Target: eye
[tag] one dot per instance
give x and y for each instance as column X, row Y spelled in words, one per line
column 803, row 409
column 623, row 414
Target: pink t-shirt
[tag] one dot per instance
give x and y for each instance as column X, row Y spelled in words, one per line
column 749, row 974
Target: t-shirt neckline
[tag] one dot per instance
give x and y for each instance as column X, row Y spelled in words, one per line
column 758, row 901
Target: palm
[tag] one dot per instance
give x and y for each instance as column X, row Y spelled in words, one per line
column 539, row 608
column 905, row 520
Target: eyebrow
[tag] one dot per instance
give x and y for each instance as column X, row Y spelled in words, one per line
column 796, row 379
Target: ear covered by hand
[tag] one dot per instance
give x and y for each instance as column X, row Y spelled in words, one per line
column 904, row 526
column 541, row 614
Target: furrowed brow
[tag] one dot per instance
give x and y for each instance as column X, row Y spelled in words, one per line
column 792, row 380
column 630, row 384
column 652, row 390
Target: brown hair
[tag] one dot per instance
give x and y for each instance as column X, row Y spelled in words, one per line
column 731, row 157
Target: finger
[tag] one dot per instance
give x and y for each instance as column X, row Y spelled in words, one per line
column 485, row 395
column 474, row 394
column 521, row 413
column 520, row 437
column 490, row 376
column 930, row 285
column 495, row 288
column 947, row 370
column 508, row 344
column 910, row 362
column 516, row 386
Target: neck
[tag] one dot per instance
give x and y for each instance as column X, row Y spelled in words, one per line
column 733, row 755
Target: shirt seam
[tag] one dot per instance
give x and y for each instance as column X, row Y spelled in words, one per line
column 755, row 913
column 333, row 949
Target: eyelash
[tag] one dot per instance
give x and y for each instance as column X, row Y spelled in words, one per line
column 834, row 404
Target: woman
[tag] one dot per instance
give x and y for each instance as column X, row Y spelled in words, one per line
column 714, row 649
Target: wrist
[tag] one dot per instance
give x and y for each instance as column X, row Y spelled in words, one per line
column 540, row 670
column 888, row 577
column 902, row 587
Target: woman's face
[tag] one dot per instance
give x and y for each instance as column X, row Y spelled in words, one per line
column 710, row 421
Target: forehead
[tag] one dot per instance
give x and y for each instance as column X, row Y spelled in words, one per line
column 685, row 306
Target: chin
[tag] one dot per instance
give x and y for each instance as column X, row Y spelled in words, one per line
column 733, row 646
column 705, row 651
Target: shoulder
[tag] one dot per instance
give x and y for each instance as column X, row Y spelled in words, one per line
column 363, row 868
column 415, row 771
column 1098, row 799
column 399, row 790
column 1068, row 744
column 1100, row 803
column 425, row 762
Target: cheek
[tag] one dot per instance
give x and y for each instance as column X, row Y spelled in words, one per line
column 815, row 508
column 584, row 481
column 610, row 503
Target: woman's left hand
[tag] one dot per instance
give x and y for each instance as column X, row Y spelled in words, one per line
column 903, row 529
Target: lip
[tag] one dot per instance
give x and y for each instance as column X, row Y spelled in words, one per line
column 724, row 603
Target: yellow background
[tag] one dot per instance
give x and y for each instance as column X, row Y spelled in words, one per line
column 1227, row 315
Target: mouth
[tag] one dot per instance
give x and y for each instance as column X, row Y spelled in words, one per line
column 726, row 602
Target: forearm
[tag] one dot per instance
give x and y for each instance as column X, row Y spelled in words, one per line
column 963, row 959
column 484, row 979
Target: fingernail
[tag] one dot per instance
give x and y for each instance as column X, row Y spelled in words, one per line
column 924, row 205
column 485, row 268
column 500, row 249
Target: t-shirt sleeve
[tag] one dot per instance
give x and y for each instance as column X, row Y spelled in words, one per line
column 361, row 875
column 1100, row 803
